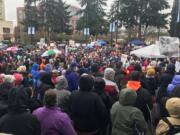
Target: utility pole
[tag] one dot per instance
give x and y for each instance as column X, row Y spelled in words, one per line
column 117, row 20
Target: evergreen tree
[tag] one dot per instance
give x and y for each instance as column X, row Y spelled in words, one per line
column 54, row 16
column 138, row 13
column 93, row 16
column 31, row 14
column 175, row 26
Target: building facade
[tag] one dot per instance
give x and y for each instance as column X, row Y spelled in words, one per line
column 74, row 17
column 20, row 15
column 6, row 27
column 2, row 10
column 6, row 30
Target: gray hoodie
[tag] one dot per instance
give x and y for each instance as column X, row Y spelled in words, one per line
column 126, row 118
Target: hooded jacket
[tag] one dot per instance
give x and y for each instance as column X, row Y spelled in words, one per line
column 73, row 80
column 88, row 112
column 34, row 71
column 143, row 98
column 18, row 121
column 166, row 79
column 125, row 117
column 173, row 107
column 54, row 122
column 173, row 84
column 46, row 84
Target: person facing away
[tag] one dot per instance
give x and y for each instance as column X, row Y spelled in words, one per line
column 165, row 80
column 111, row 87
column 126, row 119
column 170, row 125
column 62, row 93
column 18, row 120
column 87, row 110
column 72, row 77
column 52, row 120
column 99, row 85
column 4, row 90
column 143, row 101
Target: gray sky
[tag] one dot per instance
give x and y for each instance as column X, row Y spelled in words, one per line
column 12, row 4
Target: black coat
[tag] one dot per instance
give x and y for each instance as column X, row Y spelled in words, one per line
column 3, row 108
column 20, row 124
column 144, row 102
column 18, row 121
column 164, row 82
column 87, row 111
column 151, row 83
column 162, row 93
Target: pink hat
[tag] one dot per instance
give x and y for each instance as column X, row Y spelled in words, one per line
column 18, row 78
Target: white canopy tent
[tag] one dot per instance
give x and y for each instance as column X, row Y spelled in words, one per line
column 151, row 51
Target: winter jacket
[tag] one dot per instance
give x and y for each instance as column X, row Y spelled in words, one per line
column 164, row 81
column 34, row 71
column 20, row 124
column 125, row 118
column 3, row 108
column 150, row 83
column 163, row 127
column 73, row 80
column 88, row 112
column 54, row 122
column 143, row 101
column 4, row 91
column 63, row 100
column 173, row 108
column 112, row 89
column 174, row 83
column 18, row 121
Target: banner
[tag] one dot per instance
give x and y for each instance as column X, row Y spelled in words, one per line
column 169, row 45
column 124, row 58
column 31, row 31
column 112, row 27
column 86, row 31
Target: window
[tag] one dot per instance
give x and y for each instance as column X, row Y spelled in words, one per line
column 6, row 30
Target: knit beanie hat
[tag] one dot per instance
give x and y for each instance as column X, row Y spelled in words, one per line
column 109, row 74
column 151, row 72
column 8, row 78
column 61, row 83
column 173, row 107
column 127, row 97
column 18, row 78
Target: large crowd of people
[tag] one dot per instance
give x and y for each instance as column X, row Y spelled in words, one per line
column 87, row 92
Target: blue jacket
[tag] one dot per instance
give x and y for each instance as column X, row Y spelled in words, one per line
column 34, row 71
column 73, row 80
column 173, row 84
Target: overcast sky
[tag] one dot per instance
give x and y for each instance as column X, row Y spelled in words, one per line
column 12, row 4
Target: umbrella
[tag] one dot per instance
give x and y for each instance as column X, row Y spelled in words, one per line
column 50, row 52
column 12, row 49
column 2, row 47
column 101, row 42
column 136, row 42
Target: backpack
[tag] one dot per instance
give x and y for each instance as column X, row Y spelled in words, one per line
column 173, row 129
